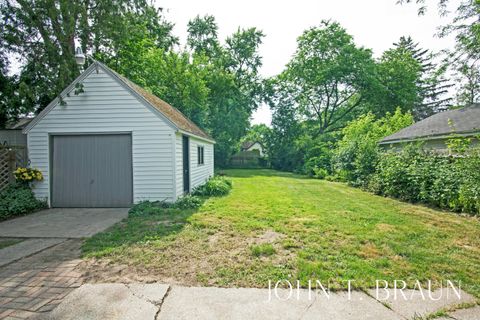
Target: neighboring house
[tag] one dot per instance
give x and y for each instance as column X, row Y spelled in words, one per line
column 253, row 145
column 251, row 155
column 115, row 144
column 12, row 135
column 434, row 131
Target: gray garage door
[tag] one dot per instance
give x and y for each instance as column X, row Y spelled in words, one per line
column 92, row 170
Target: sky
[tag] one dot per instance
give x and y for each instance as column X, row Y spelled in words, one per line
column 374, row 24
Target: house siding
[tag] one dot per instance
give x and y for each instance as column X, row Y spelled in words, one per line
column 438, row 145
column 199, row 174
column 256, row 146
column 13, row 138
column 107, row 107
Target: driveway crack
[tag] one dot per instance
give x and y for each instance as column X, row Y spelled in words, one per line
column 157, row 304
column 309, row 306
column 161, row 302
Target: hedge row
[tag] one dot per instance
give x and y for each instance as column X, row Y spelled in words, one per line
column 416, row 175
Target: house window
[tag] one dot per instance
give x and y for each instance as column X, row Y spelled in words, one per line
column 200, row 155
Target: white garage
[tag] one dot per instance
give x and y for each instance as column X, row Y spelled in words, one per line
column 115, row 144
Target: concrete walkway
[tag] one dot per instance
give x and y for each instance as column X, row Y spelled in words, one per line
column 158, row 301
column 26, row 248
column 62, row 223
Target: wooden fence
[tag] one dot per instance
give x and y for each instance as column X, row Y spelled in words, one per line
column 247, row 159
column 11, row 157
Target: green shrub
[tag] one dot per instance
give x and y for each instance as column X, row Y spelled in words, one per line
column 189, row 202
column 17, row 200
column 320, row 173
column 262, row 250
column 146, row 208
column 357, row 154
column 317, row 153
column 216, row 186
column 149, row 208
column 415, row 175
column 469, row 190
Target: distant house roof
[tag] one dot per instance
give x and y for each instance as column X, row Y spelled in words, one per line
column 463, row 121
column 247, row 144
column 20, row 124
column 177, row 118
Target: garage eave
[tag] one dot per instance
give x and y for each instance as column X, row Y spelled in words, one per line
column 62, row 95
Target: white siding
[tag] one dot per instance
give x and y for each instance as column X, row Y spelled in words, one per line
column 106, row 106
column 199, row 173
column 256, row 146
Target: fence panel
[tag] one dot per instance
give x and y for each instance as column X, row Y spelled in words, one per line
column 11, row 157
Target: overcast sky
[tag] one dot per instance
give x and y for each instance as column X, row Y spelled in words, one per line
column 374, row 24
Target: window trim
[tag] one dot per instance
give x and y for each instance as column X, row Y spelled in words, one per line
column 200, row 155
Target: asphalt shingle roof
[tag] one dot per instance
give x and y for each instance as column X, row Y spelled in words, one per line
column 170, row 112
column 461, row 121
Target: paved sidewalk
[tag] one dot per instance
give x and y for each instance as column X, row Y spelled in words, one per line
column 38, row 283
column 156, row 301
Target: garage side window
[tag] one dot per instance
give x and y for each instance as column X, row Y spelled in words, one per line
column 200, row 155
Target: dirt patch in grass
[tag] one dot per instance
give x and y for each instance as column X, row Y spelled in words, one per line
column 385, row 227
column 269, row 237
column 369, row 251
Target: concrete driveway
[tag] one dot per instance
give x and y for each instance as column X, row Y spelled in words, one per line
column 62, row 223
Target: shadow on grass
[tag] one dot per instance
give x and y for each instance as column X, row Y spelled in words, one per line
column 137, row 229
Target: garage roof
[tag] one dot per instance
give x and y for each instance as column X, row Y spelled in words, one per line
column 460, row 121
column 175, row 116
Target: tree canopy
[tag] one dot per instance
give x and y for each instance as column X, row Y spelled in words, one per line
column 464, row 59
column 328, row 76
column 329, row 81
column 44, row 35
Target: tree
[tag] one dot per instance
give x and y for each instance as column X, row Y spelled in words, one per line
column 465, row 27
column 329, row 76
column 232, row 79
column 243, row 60
column 228, row 111
column 282, row 149
column 203, row 35
column 469, row 79
column 44, row 33
column 399, row 74
column 357, row 153
column 257, row 132
column 7, row 85
column 432, row 85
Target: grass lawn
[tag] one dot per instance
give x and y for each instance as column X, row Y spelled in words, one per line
column 277, row 225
